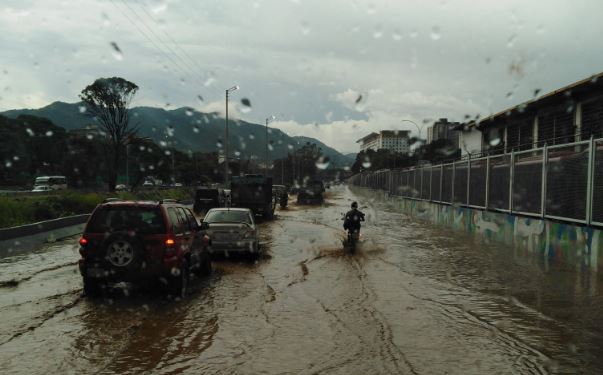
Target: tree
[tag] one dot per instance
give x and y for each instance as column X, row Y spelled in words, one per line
column 108, row 100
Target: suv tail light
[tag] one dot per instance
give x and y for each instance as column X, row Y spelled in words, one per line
column 83, row 241
column 170, row 248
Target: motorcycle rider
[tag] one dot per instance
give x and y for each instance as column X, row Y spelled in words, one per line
column 353, row 218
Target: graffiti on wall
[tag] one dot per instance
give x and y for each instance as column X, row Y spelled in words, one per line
column 553, row 241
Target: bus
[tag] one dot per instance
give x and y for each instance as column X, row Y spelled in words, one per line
column 55, row 182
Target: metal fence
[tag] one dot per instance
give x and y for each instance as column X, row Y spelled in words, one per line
column 563, row 182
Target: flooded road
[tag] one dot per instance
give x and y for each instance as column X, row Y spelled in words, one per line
column 414, row 299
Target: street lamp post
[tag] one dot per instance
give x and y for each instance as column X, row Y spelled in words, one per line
column 266, row 160
column 420, row 129
column 226, row 167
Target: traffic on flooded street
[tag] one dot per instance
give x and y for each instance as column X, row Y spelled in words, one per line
column 413, row 299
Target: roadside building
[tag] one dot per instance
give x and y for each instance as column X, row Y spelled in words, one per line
column 444, row 129
column 393, row 140
column 570, row 114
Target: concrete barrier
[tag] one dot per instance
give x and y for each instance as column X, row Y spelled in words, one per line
column 42, row 226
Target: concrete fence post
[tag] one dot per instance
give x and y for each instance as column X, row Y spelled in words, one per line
column 590, row 180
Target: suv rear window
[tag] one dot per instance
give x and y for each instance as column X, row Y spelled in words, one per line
column 224, row 216
column 138, row 219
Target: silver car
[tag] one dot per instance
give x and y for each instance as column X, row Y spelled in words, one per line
column 231, row 230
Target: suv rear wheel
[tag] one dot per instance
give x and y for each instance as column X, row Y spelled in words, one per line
column 178, row 283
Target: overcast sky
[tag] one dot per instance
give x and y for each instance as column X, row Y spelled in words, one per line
column 331, row 69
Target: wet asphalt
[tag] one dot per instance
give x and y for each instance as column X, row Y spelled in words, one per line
column 414, row 299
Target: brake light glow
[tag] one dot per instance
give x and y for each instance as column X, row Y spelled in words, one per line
column 170, row 242
column 83, row 241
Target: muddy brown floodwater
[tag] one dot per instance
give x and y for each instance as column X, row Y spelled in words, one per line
column 414, row 299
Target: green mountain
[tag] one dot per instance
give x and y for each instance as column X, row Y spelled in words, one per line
column 189, row 130
column 337, row 159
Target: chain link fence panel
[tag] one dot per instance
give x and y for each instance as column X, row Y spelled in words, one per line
column 477, row 182
column 498, row 183
column 447, row 176
column 460, row 182
column 597, row 203
column 527, row 182
column 567, row 175
column 436, row 178
column 426, row 182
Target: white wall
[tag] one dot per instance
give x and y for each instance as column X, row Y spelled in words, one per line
column 470, row 141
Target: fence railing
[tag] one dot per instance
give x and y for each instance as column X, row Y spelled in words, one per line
column 563, row 182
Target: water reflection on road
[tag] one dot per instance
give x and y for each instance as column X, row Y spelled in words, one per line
column 415, row 298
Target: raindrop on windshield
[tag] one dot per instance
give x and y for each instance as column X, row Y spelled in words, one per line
column 322, row 163
column 189, row 112
column 305, row 28
column 117, row 54
column 414, row 34
column 366, row 163
column 245, row 105
column 49, row 133
column 397, row 35
column 237, row 153
column 495, row 141
column 195, row 129
column 346, row 168
column 219, row 144
column 536, row 92
column 208, row 82
column 89, row 136
column 200, row 99
column 251, row 136
column 378, row 33
column 170, row 131
column 82, row 108
column 162, row 143
column 435, row 33
column 511, row 41
column 270, row 147
column 290, row 146
column 8, row 164
column 30, row 132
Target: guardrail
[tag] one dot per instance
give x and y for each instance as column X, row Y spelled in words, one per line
column 562, row 182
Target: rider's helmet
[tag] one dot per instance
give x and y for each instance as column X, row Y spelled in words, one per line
column 354, row 205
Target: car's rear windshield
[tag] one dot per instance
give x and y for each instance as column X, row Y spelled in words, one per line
column 144, row 220
column 224, row 216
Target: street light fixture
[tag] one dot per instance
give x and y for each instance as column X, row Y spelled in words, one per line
column 420, row 129
column 226, row 170
column 271, row 118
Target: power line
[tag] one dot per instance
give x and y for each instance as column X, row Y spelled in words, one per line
column 185, row 64
column 183, row 71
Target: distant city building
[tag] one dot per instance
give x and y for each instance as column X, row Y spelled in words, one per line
column 443, row 129
column 393, row 140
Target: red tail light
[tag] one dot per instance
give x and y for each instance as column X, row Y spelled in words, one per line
column 83, row 241
column 170, row 242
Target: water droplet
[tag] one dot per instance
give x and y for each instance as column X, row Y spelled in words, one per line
column 106, row 20
column 414, row 33
column 435, row 33
column 49, row 133
column 200, row 99
column 189, row 112
column 209, row 82
column 495, row 141
column 371, row 9
column 397, row 35
column 8, row 164
column 540, row 29
column 270, row 147
column 536, row 92
column 16, row 158
column 36, row 65
column 251, row 136
column 170, row 131
column 245, row 105
column 509, row 95
column 219, row 144
column 167, row 152
column 237, row 153
column 290, row 146
column 117, row 54
column 346, row 168
column 89, row 137
column 305, row 28
column 378, row 33
column 195, row 129
column 322, row 163
column 30, row 132
column 162, row 143
column 82, row 108
column 511, row 41
column 366, row 163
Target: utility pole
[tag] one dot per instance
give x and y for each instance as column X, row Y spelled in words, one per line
column 226, row 166
column 266, row 158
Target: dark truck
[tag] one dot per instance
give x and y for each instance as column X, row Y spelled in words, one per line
column 253, row 191
column 311, row 193
column 207, row 198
